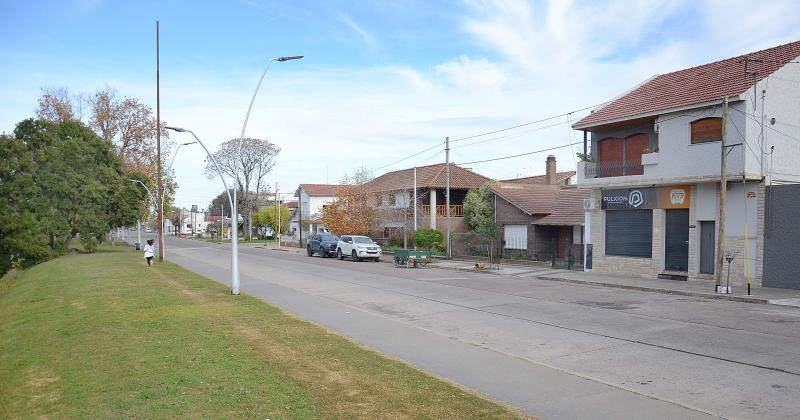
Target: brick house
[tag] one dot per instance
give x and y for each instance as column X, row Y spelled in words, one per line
column 540, row 217
column 393, row 194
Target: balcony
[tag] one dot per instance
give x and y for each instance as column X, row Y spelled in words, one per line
column 456, row 210
column 613, row 168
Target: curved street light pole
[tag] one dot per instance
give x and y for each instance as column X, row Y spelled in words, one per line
column 155, row 204
column 234, row 213
column 234, row 273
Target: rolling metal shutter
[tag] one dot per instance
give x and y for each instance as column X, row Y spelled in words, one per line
column 629, row 233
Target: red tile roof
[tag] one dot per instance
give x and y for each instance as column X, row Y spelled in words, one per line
column 692, row 86
column 541, row 179
column 320, row 190
column 556, row 206
column 568, row 210
column 291, row 204
column 431, row 176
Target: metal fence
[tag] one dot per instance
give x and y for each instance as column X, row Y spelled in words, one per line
column 613, row 168
column 547, row 252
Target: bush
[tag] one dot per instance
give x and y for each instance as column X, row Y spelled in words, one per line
column 429, row 238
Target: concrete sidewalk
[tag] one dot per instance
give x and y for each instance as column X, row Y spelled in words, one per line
column 700, row 288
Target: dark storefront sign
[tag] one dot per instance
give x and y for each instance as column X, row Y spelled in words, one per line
column 674, row 197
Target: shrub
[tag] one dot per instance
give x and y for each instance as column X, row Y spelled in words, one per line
column 429, row 238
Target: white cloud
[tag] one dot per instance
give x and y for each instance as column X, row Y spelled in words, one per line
column 366, row 37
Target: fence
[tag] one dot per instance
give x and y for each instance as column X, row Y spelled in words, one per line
column 613, row 168
column 549, row 252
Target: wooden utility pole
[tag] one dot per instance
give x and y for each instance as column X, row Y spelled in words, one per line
column 723, row 194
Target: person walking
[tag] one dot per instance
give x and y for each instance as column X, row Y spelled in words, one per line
column 149, row 251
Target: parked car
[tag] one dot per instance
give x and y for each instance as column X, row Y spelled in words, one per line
column 358, row 248
column 323, row 244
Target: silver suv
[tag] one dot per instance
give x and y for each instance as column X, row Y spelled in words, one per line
column 358, row 248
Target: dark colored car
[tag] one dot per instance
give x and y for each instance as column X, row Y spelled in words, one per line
column 323, row 244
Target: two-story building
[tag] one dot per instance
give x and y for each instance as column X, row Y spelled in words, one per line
column 393, row 194
column 306, row 219
column 654, row 166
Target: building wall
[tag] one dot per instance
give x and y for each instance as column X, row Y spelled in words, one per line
column 781, row 101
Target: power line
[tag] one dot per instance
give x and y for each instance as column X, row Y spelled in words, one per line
column 509, row 136
column 520, row 154
column 407, row 157
column 527, row 123
column 754, row 118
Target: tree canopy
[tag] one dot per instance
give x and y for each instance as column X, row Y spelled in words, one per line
column 350, row 213
column 268, row 216
column 61, row 181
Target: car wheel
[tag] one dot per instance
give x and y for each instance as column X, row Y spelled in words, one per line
column 339, row 254
column 377, row 259
column 309, row 251
column 354, row 256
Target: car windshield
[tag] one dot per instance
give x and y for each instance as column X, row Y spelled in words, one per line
column 362, row 240
column 328, row 238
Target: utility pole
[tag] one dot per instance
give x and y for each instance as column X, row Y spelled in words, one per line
column 447, row 192
column 415, row 203
column 723, row 193
column 278, row 211
column 300, row 215
column 159, row 188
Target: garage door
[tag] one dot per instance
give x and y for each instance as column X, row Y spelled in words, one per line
column 516, row 236
column 629, row 233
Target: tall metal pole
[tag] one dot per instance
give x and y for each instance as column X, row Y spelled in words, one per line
column 447, row 196
column 723, row 194
column 139, row 232
column 277, row 210
column 159, row 186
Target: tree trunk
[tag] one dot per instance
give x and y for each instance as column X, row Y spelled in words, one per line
column 69, row 239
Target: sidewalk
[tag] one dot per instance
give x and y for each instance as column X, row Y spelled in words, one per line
column 699, row 288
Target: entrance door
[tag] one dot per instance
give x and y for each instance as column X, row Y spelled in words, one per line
column 676, row 243
column 707, row 235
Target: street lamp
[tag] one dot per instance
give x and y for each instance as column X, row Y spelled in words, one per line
column 234, row 256
column 164, row 188
column 153, row 199
column 234, row 213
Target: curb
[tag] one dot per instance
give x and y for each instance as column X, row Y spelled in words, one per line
column 744, row 299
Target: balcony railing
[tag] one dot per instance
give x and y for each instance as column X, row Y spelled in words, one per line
column 613, row 168
column 456, row 210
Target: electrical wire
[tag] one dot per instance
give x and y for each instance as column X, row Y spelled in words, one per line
column 527, row 123
column 520, row 154
column 407, row 157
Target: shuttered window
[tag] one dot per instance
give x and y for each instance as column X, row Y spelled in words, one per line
column 515, row 236
column 629, row 233
column 706, row 130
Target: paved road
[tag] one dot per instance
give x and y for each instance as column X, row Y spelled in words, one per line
column 556, row 350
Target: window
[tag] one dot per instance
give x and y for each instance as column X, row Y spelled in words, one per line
column 515, row 236
column 706, row 129
column 629, row 233
column 622, row 156
column 391, row 199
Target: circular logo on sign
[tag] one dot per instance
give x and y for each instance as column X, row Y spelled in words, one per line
column 635, row 199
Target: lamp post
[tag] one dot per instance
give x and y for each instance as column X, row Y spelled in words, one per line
column 155, row 204
column 234, row 265
column 234, row 212
column 164, row 187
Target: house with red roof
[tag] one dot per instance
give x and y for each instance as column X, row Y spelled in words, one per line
column 654, row 167
column 393, row 194
column 311, row 198
column 541, row 217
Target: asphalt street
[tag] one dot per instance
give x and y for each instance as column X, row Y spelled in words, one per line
column 555, row 350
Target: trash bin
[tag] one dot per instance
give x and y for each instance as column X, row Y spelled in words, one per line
column 136, row 246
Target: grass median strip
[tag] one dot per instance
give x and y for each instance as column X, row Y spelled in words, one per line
column 101, row 335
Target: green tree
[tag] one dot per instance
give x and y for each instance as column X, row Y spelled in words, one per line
column 479, row 212
column 268, row 216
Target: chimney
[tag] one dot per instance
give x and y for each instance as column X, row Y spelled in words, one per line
column 550, row 175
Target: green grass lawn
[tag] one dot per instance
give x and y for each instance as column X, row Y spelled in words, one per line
column 101, row 335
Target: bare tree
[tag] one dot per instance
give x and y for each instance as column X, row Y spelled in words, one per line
column 359, row 177
column 256, row 160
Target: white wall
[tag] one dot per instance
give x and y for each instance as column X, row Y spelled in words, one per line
column 781, row 101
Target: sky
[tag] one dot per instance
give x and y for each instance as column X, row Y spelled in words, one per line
column 380, row 81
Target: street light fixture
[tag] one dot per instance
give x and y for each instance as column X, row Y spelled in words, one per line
column 234, row 257
column 234, row 212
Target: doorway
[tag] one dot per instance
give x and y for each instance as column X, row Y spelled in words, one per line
column 707, row 236
column 676, row 242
